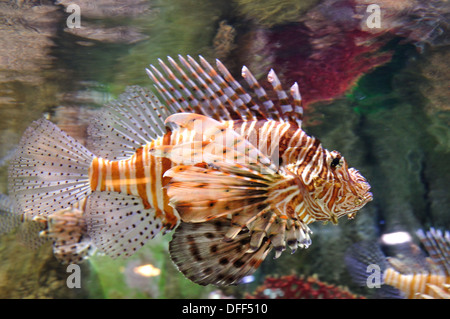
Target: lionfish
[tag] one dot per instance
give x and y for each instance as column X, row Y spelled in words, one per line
column 235, row 172
column 412, row 275
column 66, row 229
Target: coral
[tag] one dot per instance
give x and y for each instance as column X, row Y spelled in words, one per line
column 327, row 65
column 331, row 46
column 295, row 287
column 325, row 52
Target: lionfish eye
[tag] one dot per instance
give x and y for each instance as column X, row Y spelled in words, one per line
column 336, row 162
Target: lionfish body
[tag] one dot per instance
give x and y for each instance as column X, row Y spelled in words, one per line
column 413, row 276
column 221, row 163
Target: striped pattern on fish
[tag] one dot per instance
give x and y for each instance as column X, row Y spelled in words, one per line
column 416, row 286
column 142, row 174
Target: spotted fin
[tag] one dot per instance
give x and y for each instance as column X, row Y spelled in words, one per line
column 50, row 170
column 199, row 252
column 200, row 88
column 119, row 224
column 135, row 118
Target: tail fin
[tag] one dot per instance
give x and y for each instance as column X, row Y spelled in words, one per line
column 50, row 170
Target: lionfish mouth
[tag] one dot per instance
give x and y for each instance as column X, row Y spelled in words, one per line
column 362, row 188
column 366, row 198
column 360, row 202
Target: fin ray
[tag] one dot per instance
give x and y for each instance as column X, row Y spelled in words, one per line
column 50, row 170
column 126, row 124
column 219, row 95
column 119, row 224
column 215, row 197
column 437, row 244
column 199, row 252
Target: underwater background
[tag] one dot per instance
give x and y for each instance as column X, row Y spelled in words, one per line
column 378, row 94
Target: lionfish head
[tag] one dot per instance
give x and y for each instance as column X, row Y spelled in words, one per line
column 345, row 190
column 353, row 189
column 362, row 194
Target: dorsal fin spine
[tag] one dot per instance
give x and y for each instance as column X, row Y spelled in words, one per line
column 195, row 86
column 208, row 100
column 260, row 93
column 227, row 94
column 162, row 90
